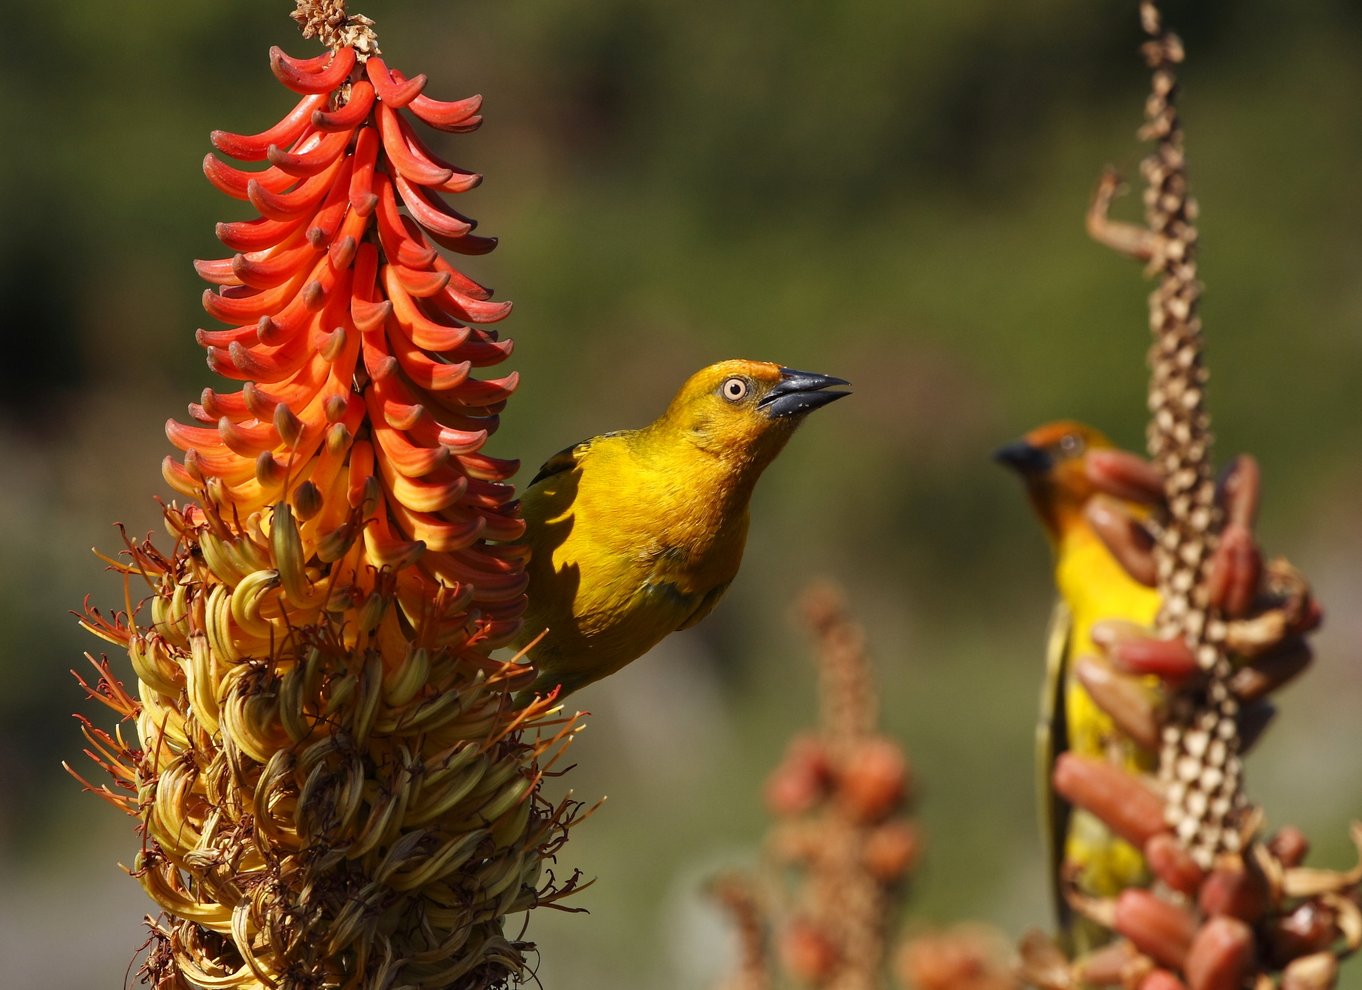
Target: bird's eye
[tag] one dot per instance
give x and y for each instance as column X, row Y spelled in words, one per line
column 734, row 389
column 1071, row 444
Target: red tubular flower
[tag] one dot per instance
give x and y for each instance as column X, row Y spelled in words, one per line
column 356, row 341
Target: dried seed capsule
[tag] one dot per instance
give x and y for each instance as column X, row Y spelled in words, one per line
column 1159, row 929
column 1221, row 956
column 1116, row 797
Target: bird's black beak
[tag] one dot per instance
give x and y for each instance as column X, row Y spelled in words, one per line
column 799, row 392
column 1023, row 458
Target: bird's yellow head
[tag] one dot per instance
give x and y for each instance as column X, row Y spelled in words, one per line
column 745, row 410
column 1052, row 462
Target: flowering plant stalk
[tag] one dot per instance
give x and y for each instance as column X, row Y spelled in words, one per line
column 333, row 785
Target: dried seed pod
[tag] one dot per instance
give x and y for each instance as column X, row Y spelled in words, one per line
column 1118, row 798
column 891, row 850
column 1172, row 864
column 1239, row 892
column 873, row 780
column 802, row 779
column 807, row 953
column 1221, row 956
column 1289, row 845
column 1160, row 930
column 1131, row 703
column 1161, row 979
column 1308, row 929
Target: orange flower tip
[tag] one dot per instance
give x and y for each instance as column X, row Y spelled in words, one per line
column 217, row 491
column 367, row 497
column 333, row 344
column 392, row 88
column 370, row 316
column 414, row 255
column 314, row 294
column 307, row 500
column 423, row 285
column 336, row 544
column 218, row 271
column 350, row 114
column 382, row 369
column 289, row 426
column 364, row 204
column 270, row 332
column 268, row 471
column 342, row 252
column 338, row 438
column 300, row 76
column 252, row 147
column 258, row 404
column 334, row 407
column 193, row 466
column 446, row 115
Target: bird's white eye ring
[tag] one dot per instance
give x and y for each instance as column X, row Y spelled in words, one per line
column 734, row 389
column 1071, row 444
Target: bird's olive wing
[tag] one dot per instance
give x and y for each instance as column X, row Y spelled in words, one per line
column 567, row 458
column 706, row 605
column 1052, row 738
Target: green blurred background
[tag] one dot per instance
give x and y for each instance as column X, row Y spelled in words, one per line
column 888, row 192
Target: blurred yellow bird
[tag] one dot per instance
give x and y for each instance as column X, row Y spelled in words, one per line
column 636, row 534
column 1092, row 586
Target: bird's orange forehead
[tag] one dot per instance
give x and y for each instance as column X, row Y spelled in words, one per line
column 1052, row 434
column 759, row 371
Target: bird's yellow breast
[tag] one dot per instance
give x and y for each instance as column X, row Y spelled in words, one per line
column 645, row 543
column 1095, row 587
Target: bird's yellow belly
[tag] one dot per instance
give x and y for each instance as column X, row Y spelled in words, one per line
column 1095, row 588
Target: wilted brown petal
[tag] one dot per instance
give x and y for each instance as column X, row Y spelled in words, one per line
column 1314, row 972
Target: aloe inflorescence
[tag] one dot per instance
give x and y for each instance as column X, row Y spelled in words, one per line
column 332, row 782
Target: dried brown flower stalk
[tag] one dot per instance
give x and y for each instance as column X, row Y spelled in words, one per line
column 1199, row 757
column 844, row 841
column 1229, row 910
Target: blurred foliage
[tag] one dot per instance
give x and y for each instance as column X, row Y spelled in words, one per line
column 891, row 193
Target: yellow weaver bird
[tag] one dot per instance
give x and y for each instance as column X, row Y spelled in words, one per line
column 1092, row 586
column 636, row 534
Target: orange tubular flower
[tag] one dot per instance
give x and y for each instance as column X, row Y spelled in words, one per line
column 333, row 784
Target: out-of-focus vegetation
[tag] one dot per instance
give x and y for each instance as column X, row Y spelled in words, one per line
column 891, row 193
